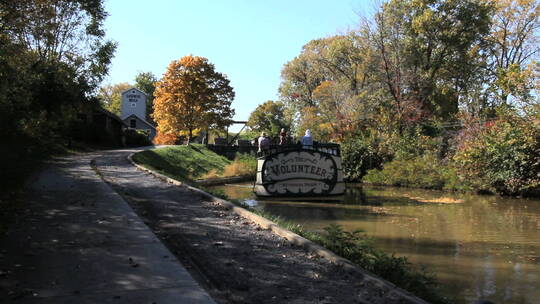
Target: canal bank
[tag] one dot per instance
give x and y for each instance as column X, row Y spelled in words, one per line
column 480, row 247
column 237, row 260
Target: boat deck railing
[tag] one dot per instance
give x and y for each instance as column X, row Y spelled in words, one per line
column 329, row 148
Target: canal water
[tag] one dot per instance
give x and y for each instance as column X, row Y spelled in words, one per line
column 480, row 247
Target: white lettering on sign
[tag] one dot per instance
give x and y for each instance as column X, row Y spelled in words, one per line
column 299, row 186
column 314, row 165
column 133, row 97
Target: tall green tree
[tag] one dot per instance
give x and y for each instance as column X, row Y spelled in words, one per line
column 513, row 51
column 269, row 117
column 300, row 77
column 53, row 55
column 110, row 96
column 62, row 31
column 333, row 78
column 55, row 52
column 430, row 52
column 146, row 82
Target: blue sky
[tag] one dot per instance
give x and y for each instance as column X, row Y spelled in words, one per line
column 249, row 41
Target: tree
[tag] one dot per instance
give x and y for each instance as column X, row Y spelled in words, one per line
column 192, row 95
column 268, row 117
column 300, row 77
column 110, row 96
column 146, row 82
column 513, row 49
column 311, row 119
column 332, row 77
column 430, row 53
column 340, row 108
column 53, row 55
column 343, row 58
column 62, row 31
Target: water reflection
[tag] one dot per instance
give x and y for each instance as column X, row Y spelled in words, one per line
column 481, row 247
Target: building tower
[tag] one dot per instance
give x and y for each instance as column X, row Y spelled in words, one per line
column 133, row 111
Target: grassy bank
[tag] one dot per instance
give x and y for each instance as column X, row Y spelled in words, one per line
column 188, row 163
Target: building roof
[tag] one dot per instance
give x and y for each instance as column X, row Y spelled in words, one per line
column 146, row 122
column 134, row 88
column 109, row 114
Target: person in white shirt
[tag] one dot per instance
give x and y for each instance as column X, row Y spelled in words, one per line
column 264, row 142
column 307, row 140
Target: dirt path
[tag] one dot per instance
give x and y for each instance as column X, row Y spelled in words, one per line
column 234, row 259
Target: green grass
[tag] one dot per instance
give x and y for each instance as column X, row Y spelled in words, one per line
column 184, row 163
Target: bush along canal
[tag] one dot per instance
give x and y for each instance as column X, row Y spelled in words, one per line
column 479, row 247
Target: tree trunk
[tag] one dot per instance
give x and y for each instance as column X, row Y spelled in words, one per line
column 190, row 136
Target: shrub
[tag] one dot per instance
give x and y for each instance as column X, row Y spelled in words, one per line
column 213, row 173
column 243, row 164
column 502, row 155
column 165, row 139
column 358, row 157
column 363, row 154
column 411, row 144
column 136, row 138
column 425, row 171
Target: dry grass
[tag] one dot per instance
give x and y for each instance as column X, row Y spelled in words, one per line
column 236, row 169
column 440, row 200
column 211, row 174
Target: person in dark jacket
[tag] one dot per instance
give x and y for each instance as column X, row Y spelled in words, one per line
column 282, row 136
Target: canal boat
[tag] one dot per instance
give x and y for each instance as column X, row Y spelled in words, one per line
column 298, row 172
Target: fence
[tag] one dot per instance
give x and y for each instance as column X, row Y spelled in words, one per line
column 230, row 151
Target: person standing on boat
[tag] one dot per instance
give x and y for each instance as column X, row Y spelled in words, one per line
column 282, row 136
column 307, row 140
column 264, row 143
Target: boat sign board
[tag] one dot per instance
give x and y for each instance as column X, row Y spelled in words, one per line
column 299, row 173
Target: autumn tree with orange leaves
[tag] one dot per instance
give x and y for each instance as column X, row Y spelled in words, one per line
column 192, row 96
